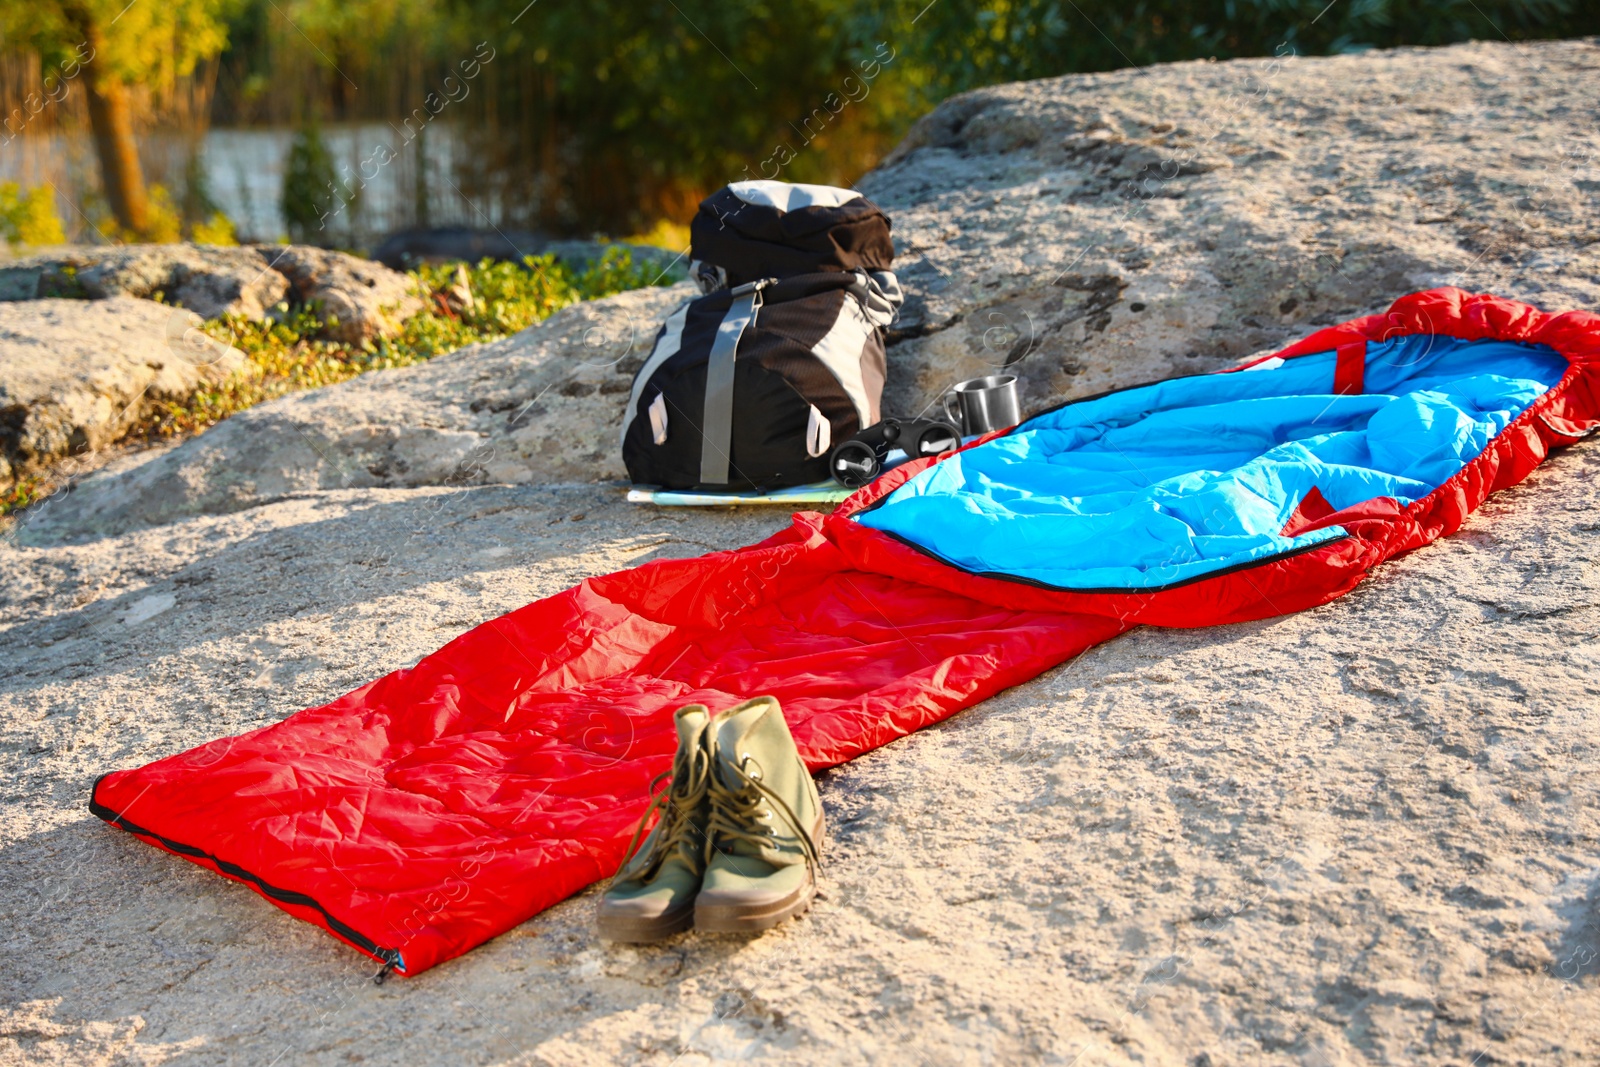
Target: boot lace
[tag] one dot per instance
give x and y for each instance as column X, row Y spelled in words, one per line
column 676, row 803
column 743, row 812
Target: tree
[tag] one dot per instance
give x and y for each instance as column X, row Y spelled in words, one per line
column 610, row 114
column 312, row 192
column 118, row 48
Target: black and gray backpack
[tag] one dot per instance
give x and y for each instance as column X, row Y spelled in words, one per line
column 750, row 385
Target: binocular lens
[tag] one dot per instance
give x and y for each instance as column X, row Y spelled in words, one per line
column 855, row 464
column 860, row 459
column 936, row 439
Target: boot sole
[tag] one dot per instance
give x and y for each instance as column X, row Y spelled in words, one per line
column 753, row 919
column 643, row 931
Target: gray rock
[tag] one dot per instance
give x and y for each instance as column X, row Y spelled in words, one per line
column 367, row 299
column 581, row 255
column 208, row 280
column 74, row 375
column 361, row 300
column 19, row 283
column 1115, row 228
column 441, row 244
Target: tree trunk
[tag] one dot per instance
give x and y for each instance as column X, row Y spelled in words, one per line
column 111, row 117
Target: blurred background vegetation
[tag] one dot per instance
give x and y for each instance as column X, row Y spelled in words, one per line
column 338, row 121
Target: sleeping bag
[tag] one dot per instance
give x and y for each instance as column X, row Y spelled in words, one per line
column 443, row 804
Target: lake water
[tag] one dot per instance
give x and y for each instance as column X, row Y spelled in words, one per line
column 244, row 170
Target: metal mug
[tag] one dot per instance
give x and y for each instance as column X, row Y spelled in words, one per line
column 984, row 404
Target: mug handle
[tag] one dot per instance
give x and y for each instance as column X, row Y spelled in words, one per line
column 954, row 417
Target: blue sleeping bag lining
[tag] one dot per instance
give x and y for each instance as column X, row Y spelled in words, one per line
column 1169, row 482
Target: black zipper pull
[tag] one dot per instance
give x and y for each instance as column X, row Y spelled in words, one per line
column 391, row 960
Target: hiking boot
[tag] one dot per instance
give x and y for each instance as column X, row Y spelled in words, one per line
column 652, row 895
column 765, row 831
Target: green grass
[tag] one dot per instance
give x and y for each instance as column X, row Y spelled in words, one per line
column 27, row 490
column 290, row 354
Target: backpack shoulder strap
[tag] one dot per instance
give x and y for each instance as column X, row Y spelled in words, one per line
column 716, row 433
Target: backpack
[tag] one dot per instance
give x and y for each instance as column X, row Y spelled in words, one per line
column 750, row 385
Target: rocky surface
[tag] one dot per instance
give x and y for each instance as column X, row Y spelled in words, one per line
column 360, row 300
column 75, row 376
column 537, row 407
column 1365, row 833
column 1124, row 227
column 368, row 299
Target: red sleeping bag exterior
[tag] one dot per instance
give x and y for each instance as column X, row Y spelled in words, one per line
column 437, row 807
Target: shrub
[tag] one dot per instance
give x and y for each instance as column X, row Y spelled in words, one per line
column 217, row 230
column 164, row 224
column 312, row 193
column 29, row 218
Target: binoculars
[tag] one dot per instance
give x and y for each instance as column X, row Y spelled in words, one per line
column 860, row 459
